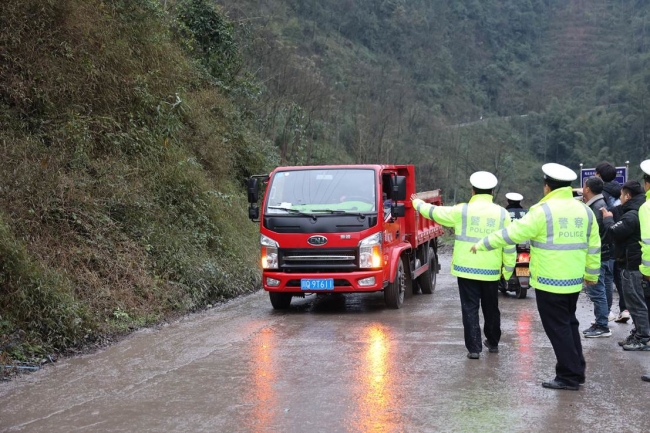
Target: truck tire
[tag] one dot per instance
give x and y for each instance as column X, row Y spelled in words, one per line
column 394, row 293
column 503, row 286
column 280, row 301
column 427, row 280
column 521, row 292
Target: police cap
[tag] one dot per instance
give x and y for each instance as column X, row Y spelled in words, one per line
column 558, row 172
column 483, row 180
column 514, row 196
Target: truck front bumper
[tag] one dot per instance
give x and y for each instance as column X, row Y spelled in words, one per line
column 344, row 282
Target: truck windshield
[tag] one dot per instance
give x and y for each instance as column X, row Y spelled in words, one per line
column 322, row 191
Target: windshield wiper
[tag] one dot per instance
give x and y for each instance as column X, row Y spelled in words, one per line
column 339, row 212
column 293, row 211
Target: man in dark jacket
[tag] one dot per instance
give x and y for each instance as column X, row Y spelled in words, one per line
column 611, row 187
column 611, row 195
column 601, row 292
column 626, row 235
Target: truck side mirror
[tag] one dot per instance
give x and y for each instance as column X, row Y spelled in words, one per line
column 253, row 190
column 399, row 188
column 398, row 210
column 253, row 212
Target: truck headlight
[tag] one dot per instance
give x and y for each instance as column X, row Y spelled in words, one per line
column 370, row 251
column 269, row 253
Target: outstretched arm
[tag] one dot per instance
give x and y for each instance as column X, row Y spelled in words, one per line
column 617, row 231
column 518, row 231
column 444, row 215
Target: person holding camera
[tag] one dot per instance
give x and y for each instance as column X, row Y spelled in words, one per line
column 626, row 235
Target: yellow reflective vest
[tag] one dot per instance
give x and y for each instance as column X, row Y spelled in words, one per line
column 565, row 244
column 644, row 221
column 471, row 222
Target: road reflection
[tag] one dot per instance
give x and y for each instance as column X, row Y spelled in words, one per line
column 524, row 346
column 376, row 376
column 264, row 375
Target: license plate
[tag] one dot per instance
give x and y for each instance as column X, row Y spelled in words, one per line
column 317, row 284
column 522, row 272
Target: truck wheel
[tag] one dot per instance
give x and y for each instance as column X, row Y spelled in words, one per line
column 503, row 285
column 427, row 280
column 521, row 292
column 394, row 293
column 280, row 301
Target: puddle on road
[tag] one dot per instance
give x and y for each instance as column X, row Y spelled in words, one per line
column 376, row 377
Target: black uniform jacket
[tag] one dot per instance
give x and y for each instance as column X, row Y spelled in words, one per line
column 605, row 249
column 626, row 234
column 516, row 212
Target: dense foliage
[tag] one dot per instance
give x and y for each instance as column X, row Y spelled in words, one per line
column 452, row 85
column 123, row 155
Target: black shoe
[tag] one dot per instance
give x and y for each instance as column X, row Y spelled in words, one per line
column 597, row 331
column 646, row 378
column 639, row 344
column 491, row 349
column 628, row 339
column 590, row 329
column 473, row 355
column 555, row 384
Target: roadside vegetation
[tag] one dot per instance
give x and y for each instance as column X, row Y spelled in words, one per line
column 123, row 152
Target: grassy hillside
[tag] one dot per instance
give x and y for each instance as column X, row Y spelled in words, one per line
column 123, row 152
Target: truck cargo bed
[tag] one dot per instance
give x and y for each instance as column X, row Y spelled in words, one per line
column 425, row 229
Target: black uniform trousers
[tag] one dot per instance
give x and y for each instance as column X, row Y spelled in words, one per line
column 485, row 293
column 558, row 314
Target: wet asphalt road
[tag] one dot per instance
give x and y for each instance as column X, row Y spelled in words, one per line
column 334, row 364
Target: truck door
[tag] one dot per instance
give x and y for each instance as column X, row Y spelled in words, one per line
column 391, row 226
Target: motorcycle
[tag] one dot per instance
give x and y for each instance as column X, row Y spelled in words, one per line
column 519, row 282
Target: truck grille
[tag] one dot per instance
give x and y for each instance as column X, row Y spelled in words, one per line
column 317, row 260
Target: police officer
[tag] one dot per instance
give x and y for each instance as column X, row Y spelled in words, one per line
column 514, row 206
column 516, row 212
column 644, row 221
column 564, row 253
column 478, row 277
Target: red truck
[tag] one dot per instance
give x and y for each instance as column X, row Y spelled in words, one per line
column 344, row 229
